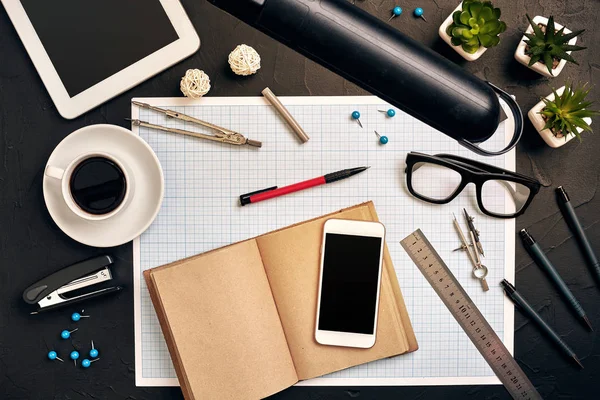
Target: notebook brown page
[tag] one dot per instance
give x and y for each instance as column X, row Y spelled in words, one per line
column 239, row 321
column 221, row 325
column 291, row 257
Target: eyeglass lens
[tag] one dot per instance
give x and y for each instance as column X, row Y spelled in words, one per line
column 504, row 197
column 434, row 181
column 438, row 182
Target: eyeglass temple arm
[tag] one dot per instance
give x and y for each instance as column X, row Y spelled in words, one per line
column 481, row 167
column 507, row 185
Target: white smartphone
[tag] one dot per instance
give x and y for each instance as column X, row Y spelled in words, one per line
column 351, row 257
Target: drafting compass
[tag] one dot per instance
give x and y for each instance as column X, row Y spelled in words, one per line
column 475, row 232
column 222, row 135
column 480, row 271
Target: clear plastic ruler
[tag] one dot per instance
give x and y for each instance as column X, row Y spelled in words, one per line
column 469, row 317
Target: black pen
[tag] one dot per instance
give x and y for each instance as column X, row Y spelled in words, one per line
column 540, row 259
column 569, row 213
column 526, row 309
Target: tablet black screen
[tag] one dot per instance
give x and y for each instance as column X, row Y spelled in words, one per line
column 88, row 41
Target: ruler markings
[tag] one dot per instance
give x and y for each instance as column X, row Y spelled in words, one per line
column 469, row 317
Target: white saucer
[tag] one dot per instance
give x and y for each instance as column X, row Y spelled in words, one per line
column 133, row 220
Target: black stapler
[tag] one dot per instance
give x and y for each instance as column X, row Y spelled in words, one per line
column 53, row 291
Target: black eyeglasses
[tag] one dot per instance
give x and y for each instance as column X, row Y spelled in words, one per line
column 439, row 179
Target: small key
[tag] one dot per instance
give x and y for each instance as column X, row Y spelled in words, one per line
column 480, row 273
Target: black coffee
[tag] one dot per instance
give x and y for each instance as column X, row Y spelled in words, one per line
column 98, row 185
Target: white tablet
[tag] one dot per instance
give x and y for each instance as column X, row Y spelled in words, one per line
column 87, row 52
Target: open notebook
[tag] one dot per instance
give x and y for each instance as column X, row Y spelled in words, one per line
column 240, row 320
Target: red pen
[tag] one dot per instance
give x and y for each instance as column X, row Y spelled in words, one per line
column 271, row 192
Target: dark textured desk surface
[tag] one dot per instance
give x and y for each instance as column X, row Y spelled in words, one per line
column 31, row 245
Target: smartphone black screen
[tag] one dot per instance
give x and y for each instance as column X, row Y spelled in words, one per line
column 349, row 286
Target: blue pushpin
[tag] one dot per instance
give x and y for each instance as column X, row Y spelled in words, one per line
column 76, row 316
column 74, row 356
column 382, row 139
column 390, row 113
column 419, row 13
column 85, row 363
column 356, row 115
column 67, row 334
column 93, row 351
column 53, row 356
column 396, row 11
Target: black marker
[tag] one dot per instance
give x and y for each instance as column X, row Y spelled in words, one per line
column 540, row 259
column 526, row 309
column 569, row 213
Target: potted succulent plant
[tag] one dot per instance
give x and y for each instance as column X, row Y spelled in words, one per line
column 472, row 28
column 546, row 46
column 563, row 115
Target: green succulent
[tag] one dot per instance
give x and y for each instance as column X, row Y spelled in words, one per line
column 477, row 24
column 547, row 46
column 566, row 112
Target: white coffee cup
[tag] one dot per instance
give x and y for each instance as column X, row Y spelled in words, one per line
column 63, row 175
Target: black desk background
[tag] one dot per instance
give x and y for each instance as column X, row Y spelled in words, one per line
column 31, row 245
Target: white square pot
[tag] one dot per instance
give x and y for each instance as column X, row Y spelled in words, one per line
column 538, row 67
column 546, row 134
column 448, row 39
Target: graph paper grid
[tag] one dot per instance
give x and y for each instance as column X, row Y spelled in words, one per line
column 200, row 212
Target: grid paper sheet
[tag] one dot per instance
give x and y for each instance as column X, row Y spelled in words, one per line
column 201, row 212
